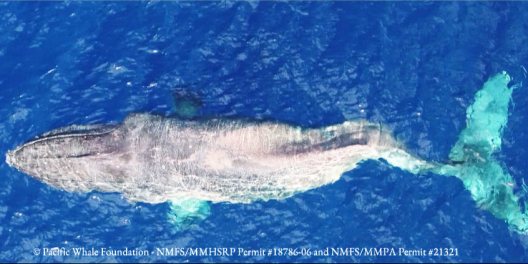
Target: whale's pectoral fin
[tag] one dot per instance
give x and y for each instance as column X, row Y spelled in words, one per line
column 187, row 103
column 187, row 211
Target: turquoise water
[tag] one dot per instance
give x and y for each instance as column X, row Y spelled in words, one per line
column 414, row 67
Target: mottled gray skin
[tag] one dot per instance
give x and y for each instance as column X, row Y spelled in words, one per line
column 153, row 159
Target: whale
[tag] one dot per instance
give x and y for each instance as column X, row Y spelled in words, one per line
column 151, row 158
column 190, row 162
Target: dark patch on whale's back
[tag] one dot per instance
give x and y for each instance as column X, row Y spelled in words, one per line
column 340, row 141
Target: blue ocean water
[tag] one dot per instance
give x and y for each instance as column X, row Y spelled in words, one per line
column 413, row 66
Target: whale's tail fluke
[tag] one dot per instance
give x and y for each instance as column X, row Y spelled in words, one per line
column 472, row 159
column 490, row 184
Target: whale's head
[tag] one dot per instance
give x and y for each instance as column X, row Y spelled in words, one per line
column 69, row 158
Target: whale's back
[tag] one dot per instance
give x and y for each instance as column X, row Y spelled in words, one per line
column 151, row 158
